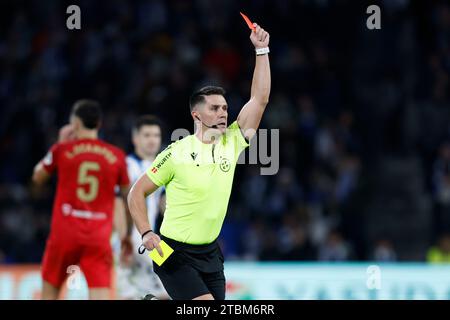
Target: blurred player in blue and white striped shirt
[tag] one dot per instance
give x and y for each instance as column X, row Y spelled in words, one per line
column 136, row 279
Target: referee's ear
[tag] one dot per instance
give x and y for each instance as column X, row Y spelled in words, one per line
column 194, row 113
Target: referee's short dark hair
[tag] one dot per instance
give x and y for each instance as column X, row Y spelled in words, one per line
column 199, row 96
column 89, row 112
column 146, row 120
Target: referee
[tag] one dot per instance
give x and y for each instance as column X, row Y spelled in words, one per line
column 197, row 172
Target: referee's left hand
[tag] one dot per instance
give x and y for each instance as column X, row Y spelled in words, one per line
column 151, row 241
column 259, row 37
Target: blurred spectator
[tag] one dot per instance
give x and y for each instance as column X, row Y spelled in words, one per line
column 347, row 177
column 225, row 59
column 441, row 252
column 307, row 119
column 254, row 189
column 335, row 248
column 294, row 243
column 270, row 250
column 441, row 175
column 384, row 251
column 285, row 194
column 253, row 238
column 345, row 136
column 326, row 148
column 441, row 186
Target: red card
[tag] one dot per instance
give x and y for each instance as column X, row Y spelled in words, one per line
column 247, row 20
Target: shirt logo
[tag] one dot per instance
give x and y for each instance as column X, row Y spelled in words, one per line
column 225, row 165
column 193, row 155
column 163, row 160
column 66, row 209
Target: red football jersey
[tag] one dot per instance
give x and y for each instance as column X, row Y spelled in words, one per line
column 88, row 171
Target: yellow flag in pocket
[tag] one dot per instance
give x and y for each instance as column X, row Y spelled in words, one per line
column 167, row 251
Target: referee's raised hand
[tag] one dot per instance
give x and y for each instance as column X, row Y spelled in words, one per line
column 151, row 241
column 259, row 37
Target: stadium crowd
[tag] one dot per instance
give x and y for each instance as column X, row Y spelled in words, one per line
column 342, row 97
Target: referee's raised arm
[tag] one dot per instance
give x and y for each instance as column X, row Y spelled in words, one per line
column 138, row 210
column 251, row 114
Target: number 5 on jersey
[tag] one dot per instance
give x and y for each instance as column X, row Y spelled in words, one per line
column 84, row 178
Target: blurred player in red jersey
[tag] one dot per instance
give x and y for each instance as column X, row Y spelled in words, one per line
column 88, row 171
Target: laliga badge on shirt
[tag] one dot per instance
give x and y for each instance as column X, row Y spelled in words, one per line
column 167, row 251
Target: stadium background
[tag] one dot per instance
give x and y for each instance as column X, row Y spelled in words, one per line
column 364, row 118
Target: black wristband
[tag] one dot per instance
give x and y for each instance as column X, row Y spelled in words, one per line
column 148, row 231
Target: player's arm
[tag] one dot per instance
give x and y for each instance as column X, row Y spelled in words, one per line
column 128, row 221
column 120, row 217
column 43, row 169
column 124, row 225
column 137, row 205
column 121, row 227
column 252, row 112
column 40, row 175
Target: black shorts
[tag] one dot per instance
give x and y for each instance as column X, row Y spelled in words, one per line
column 192, row 271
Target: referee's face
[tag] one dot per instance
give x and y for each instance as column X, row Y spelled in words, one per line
column 214, row 112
